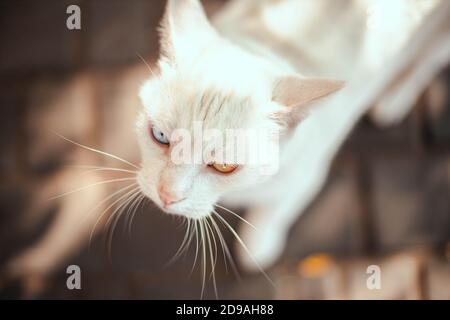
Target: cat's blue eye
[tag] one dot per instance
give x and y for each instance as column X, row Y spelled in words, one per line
column 159, row 136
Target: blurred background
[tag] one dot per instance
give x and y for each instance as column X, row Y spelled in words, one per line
column 386, row 201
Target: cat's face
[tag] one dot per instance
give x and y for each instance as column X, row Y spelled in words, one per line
column 203, row 83
column 174, row 101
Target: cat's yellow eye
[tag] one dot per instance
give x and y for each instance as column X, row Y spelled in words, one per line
column 224, row 168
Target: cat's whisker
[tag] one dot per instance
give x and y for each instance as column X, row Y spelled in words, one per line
column 226, row 250
column 196, row 246
column 182, row 222
column 103, row 170
column 244, row 246
column 236, row 215
column 208, row 227
column 212, row 259
column 108, row 208
column 219, row 235
column 143, row 203
column 115, row 217
column 146, row 63
column 109, row 197
column 125, row 199
column 187, row 240
column 191, row 236
column 90, row 186
column 129, row 210
column 99, row 168
column 131, row 217
column 97, row 151
column 167, row 87
column 104, row 201
column 202, row 236
column 183, row 244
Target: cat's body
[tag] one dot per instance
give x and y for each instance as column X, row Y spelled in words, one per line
column 369, row 40
column 248, row 72
column 273, row 31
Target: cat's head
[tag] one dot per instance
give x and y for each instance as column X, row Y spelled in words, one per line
column 206, row 81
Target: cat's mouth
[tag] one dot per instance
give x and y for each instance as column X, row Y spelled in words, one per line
column 183, row 207
column 175, row 208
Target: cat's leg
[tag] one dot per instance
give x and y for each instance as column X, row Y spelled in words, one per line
column 396, row 104
column 430, row 52
column 264, row 242
column 67, row 233
column 274, row 219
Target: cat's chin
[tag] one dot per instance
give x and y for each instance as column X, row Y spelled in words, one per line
column 191, row 214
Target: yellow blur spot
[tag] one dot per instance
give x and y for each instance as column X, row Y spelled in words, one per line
column 315, row 266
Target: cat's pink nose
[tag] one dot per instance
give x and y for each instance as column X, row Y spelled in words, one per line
column 168, row 197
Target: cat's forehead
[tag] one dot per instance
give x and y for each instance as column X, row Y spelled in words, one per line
column 176, row 105
column 216, row 110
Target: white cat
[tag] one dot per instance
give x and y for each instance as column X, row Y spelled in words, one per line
column 246, row 73
column 205, row 77
column 263, row 90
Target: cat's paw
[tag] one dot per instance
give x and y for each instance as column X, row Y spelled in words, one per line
column 265, row 243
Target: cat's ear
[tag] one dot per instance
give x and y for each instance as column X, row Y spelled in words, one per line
column 297, row 95
column 185, row 30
